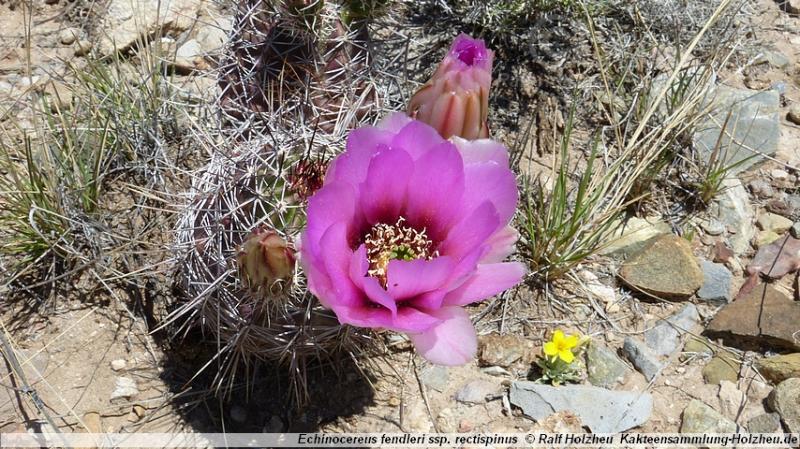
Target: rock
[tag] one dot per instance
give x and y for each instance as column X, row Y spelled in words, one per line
column 773, row 222
column 559, row 422
column 495, row 371
column 791, row 6
column 733, row 209
column 190, row 56
column 435, row 377
column 765, row 423
column 773, row 58
column 68, row 35
column 778, row 368
column 128, row 21
column 753, row 123
column 83, row 47
column 475, row 391
column 700, row 418
column 93, row 422
column 665, row 268
column 665, row 337
column 722, row 253
column 720, row 368
column 764, row 238
column 794, row 114
column 604, row 367
column 716, row 283
column 607, row 295
column 731, row 399
column 643, row 359
column 695, row 346
column 238, row 414
column 778, row 174
column 212, row 37
column 118, row 364
column 713, row 227
column 125, row 388
column 785, row 399
column 631, row 235
column 764, row 317
column 761, row 188
column 504, row 350
column 777, row 259
column 794, row 231
column 601, row 410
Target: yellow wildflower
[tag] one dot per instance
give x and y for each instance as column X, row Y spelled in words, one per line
column 561, row 346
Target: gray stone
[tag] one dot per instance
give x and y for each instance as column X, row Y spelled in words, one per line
column 765, row 423
column 785, row 399
column 475, row 391
column 125, row 388
column 773, row 58
column 665, row 337
column 734, row 210
column 665, row 268
column 700, row 418
column 189, row 55
column 716, row 283
column 603, row 411
column 435, row 377
column 643, row 359
column 713, row 227
column 604, row 367
column 753, row 124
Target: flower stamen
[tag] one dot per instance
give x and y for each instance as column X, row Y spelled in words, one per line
column 386, row 242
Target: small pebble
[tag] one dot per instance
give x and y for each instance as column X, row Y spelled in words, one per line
column 68, row 35
column 394, row 401
column 118, row 365
column 794, row 114
column 465, row 426
column 779, row 174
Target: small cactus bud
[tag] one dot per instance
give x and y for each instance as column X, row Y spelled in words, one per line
column 455, row 100
column 266, row 262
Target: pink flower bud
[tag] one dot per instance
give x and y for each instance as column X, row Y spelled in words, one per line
column 266, row 262
column 455, row 101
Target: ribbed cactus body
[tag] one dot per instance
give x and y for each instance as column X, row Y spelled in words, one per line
column 294, row 80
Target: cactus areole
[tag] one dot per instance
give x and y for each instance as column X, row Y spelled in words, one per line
column 408, row 228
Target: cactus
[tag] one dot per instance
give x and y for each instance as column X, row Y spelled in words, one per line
column 295, row 78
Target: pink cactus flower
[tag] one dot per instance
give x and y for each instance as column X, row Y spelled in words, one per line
column 455, row 100
column 408, row 228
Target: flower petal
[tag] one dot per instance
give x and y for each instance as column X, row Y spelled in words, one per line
column 490, row 182
column 501, row 245
column 417, row 139
column 336, row 263
column 558, row 338
column 435, row 189
column 451, row 342
column 550, row 348
column 471, row 232
column 394, row 122
column 570, row 341
column 383, row 194
column 566, row 355
column 331, row 204
column 487, row 281
column 410, row 319
column 362, row 144
column 481, row 150
column 409, row 278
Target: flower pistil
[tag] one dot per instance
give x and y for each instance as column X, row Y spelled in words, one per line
column 398, row 241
